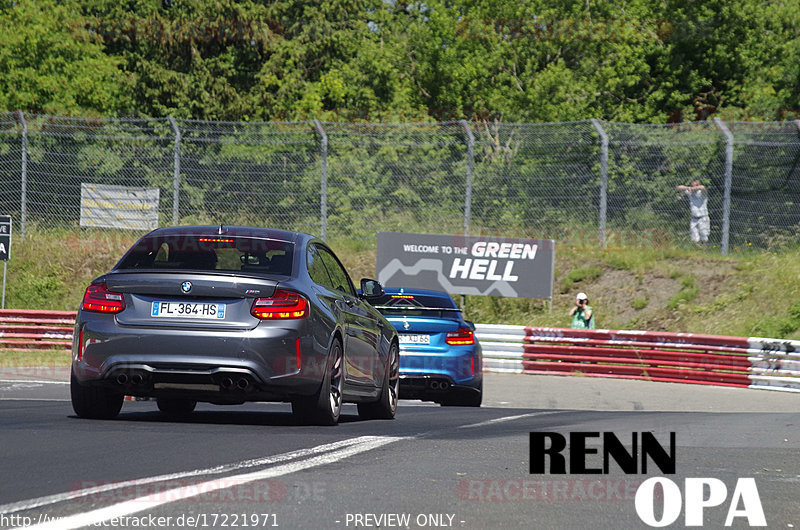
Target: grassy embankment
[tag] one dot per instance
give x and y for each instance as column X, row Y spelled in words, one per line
column 671, row 289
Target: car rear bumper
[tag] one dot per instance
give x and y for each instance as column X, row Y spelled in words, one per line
column 269, row 363
column 434, row 387
column 460, row 365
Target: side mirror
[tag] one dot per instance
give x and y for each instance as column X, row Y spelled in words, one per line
column 371, row 288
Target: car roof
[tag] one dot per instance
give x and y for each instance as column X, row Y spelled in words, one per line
column 417, row 292
column 230, row 230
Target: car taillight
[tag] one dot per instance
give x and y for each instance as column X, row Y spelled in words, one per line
column 79, row 353
column 100, row 300
column 282, row 305
column 462, row 337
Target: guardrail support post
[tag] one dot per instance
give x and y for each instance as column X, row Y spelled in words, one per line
column 24, row 176
column 603, row 179
column 176, row 180
column 470, row 169
column 726, row 201
column 323, row 179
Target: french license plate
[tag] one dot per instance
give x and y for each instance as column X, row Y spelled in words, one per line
column 188, row 310
column 406, row 338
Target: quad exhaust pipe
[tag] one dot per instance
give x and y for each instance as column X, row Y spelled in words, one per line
column 135, row 379
column 233, row 382
column 227, row 383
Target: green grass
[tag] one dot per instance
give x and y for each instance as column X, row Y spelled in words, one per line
column 578, row 275
column 687, row 293
column 782, row 325
column 35, row 358
column 51, row 269
column 640, row 303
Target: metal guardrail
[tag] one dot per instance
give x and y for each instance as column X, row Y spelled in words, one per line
column 751, row 362
column 31, row 329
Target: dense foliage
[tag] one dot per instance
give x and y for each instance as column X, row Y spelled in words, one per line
column 380, row 60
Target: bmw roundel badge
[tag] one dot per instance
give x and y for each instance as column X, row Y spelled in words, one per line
column 186, row 287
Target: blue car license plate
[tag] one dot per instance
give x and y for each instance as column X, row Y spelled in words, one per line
column 408, row 338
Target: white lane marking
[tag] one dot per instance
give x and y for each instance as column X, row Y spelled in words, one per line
column 226, row 468
column 19, row 384
column 34, row 381
column 148, row 502
column 29, row 399
column 505, row 419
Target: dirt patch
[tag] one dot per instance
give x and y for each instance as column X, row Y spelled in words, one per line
column 614, row 292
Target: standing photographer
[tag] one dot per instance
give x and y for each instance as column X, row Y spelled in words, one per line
column 582, row 314
column 700, row 225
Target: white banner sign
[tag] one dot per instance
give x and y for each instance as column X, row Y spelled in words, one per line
column 477, row 265
column 127, row 207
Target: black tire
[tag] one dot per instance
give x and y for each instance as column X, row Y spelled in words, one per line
column 324, row 407
column 176, row 406
column 464, row 397
column 95, row 403
column 385, row 407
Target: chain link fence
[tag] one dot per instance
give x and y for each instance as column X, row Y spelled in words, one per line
column 400, row 178
column 765, row 189
column 537, row 180
column 261, row 174
column 647, row 162
column 588, row 182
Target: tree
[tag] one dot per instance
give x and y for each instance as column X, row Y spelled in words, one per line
column 49, row 63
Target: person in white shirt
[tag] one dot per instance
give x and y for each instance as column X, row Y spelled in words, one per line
column 700, row 226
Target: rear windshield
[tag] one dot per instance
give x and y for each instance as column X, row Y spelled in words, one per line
column 210, row 253
column 413, row 305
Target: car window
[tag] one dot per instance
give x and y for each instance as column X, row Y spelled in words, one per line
column 418, row 305
column 339, row 276
column 206, row 253
column 316, row 268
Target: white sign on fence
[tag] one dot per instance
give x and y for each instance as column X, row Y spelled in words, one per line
column 106, row 206
column 476, row 265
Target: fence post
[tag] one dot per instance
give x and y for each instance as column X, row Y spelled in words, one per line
column 470, row 169
column 24, row 175
column 603, row 179
column 323, row 184
column 176, row 179
column 726, row 201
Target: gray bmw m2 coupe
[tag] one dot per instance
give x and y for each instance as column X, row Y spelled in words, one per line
column 229, row 314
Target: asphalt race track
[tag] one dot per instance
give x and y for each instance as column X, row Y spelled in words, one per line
column 251, row 466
